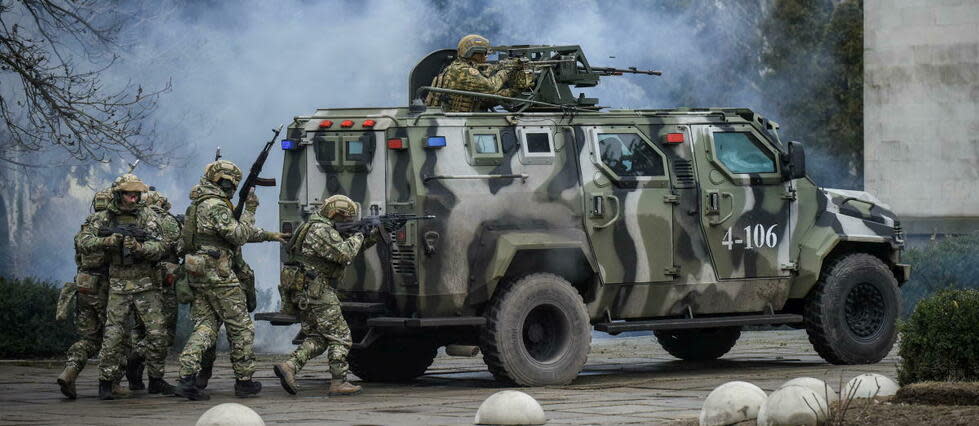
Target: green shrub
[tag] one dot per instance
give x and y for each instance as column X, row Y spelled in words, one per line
column 939, row 341
column 27, row 325
column 951, row 263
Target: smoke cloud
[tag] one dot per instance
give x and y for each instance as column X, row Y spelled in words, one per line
column 242, row 68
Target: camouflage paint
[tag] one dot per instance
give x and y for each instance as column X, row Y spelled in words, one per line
column 662, row 256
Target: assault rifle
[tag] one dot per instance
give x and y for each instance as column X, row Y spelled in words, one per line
column 253, row 180
column 132, row 231
column 386, row 223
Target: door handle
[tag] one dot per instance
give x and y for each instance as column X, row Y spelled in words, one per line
column 618, row 210
column 714, row 206
column 597, row 206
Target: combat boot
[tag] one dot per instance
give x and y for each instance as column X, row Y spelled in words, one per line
column 67, row 382
column 204, row 376
column 160, row 386
column 118, row 391
column 187, row 388
column 105, row 390
column 246, row 388
column 134, row 372
column 343, row 388
column 287, row 376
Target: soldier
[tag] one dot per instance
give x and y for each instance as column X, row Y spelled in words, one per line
column 92, row 289
column 170, row 234
column 323, row 255
column 211, row 237
column 128, row 233
column 464, row 74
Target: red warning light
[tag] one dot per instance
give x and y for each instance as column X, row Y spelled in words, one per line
column 674, row 138
column 325, row 124
column 347, row 123
column 397, row 143
column 368, row 123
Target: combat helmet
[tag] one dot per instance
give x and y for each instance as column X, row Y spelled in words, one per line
column 222, row 169
column 339, row 204
column 471, row 45
column 156, row 198
column 129, row 183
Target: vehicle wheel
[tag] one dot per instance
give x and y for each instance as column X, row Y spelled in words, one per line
column 852, row 311
column 393, row 359
column 699, row 344
column 537, row 332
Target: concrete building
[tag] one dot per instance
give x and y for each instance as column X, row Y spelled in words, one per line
column 921, row 112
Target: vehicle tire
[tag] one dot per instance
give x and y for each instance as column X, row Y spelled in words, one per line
column 852, row 311
column 393, row 359
column 699, row 344
column 537, row 332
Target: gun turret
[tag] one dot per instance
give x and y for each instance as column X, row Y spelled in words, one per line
column 555, row 70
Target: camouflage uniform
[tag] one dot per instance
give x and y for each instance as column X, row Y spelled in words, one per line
column 92, row 289
column 212, row 238
column 463, row 74
column 170, row 234
column 324, row 254
column 134, row 284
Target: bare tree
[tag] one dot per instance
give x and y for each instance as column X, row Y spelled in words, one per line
column 52, row 56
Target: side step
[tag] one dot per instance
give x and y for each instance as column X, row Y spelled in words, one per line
column 278, row 318
column 703, row 322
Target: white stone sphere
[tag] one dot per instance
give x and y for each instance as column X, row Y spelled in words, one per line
column 731, row 403
column 793, row 405
column 229, row 414
column 869, row 385
column 815, row 385
column 510, row 407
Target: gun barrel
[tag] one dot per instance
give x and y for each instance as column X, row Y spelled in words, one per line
column 620, row 71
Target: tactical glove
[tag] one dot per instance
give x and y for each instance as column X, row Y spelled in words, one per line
column 251, row 203
column 132, row 245
column 278, row 236
column 111, row 240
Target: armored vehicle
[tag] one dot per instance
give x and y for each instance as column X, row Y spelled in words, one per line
column 555, row 217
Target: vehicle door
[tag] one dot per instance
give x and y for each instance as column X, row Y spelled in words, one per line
column 628, row 205
column 746, row 204
column 351, row 163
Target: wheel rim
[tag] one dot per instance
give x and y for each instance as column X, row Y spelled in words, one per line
column 865, row 311
column 546, row 333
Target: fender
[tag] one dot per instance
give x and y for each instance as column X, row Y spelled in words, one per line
column 511, row 243
column 819, row 242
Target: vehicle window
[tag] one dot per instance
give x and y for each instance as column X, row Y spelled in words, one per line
column 628, row 155
column 742, row 153
column 355, row 150
column 537, row 143
column 485, row 144
column 325, row 150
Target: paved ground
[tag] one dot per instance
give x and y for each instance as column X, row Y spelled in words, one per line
column 627, row 380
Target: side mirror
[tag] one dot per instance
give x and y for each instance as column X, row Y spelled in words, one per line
column 794, row 163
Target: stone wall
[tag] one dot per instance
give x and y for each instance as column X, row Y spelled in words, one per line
column 921, row 111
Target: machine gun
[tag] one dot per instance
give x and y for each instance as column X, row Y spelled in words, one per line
column 253, row 180
column 386, row 223
column 131, row 231
column 557, row 68
column 554, row 69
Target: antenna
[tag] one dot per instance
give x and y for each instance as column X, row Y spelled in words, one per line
column 217, row 154
column 132, row 166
